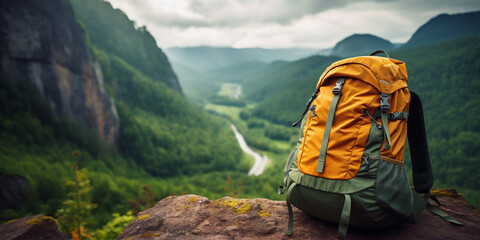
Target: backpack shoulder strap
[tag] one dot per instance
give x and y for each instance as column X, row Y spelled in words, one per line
column 417, row 140
column 421, row 167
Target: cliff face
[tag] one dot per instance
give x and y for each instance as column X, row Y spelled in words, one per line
column 195, row 217
column 110, row 30
column 40, row 41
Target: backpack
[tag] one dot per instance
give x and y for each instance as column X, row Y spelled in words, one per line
column 347, row 165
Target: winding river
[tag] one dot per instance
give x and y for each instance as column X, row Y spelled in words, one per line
column 260, row 161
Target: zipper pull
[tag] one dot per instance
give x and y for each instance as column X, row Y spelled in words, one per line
column 313, row 111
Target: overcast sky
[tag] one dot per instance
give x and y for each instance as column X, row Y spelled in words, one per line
column 282, row 23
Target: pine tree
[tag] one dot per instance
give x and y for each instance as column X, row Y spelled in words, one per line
column 76, row 208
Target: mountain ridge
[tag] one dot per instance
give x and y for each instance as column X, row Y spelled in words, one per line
column 206, row 58
column 360, row 44
column 444, row 27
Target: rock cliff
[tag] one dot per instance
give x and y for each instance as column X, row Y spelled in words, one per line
column 41, row 41
column 195, row 217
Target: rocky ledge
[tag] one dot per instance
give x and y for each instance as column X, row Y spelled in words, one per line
column 196, row 217
column 34, row 227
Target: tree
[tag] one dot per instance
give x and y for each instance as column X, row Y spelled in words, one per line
column 76, row 208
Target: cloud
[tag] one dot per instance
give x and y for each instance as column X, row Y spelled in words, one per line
column 231, row 13
column 241, row 12
column 283, row 23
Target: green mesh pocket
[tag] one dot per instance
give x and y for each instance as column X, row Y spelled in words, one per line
column 393, row 190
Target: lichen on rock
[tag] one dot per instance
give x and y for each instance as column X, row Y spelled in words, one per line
column 142, row 217
column 40, row 220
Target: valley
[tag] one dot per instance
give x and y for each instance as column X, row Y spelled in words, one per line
column 140, row 123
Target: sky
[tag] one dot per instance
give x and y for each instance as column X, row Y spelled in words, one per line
column 315, row 24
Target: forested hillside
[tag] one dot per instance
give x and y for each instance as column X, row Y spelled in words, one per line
column 112, row 31
column 447, row 78
column 160, row 130
column 443, row 27
column 284, row 87
column 164, row 143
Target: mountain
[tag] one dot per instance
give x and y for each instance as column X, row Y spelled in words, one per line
column 160, row 129
column 205, row 58
column 65, row 82
column 445, row 26
column 112, row 31
column 45, row 46
column 360, row 44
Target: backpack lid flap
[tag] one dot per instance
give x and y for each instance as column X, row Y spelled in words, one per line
column 385, row 74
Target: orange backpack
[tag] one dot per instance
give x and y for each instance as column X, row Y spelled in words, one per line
column 347, row 166
column 338, row 131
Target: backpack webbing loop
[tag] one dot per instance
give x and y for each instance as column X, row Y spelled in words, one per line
column 290, row 211
column 306, row 109
column 379, row 51
column 328, row 125
column 345, row 218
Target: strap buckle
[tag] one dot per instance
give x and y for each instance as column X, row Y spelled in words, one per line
column 384, row 104
column 397, row 116
column 338, row 88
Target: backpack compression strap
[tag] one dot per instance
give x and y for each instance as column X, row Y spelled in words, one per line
column 328, row 125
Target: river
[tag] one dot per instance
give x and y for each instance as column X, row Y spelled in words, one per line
column 260, row 161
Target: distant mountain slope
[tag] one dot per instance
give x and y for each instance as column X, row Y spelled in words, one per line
column 201, row 85
column 159, row 130
column 284, row 87
column 207, row 58
column 360, row 44
column 444, row 27
column 195, row 84
column 236, row 73
column 111, row 30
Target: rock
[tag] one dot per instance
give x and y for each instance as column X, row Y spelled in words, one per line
column 34, row 227
column 196, row 217
column 42, row 42
column 13, row 191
